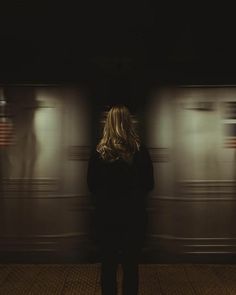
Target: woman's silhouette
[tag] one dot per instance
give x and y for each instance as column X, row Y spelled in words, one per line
column 120, row 173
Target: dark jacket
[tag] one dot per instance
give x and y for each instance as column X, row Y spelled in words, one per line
column 119, row 191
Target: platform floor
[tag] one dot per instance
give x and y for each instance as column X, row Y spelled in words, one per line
column 155, row 279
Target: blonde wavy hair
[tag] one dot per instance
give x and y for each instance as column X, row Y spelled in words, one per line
column 119, row 139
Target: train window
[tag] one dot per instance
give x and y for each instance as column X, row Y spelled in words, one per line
column 230, row 130
column 230, row 124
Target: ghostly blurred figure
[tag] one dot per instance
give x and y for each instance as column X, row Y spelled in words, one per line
column 120, row 173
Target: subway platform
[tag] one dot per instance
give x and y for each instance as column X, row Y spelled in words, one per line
column 84, row 279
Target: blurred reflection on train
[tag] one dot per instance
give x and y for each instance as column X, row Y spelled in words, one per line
column 46, row 134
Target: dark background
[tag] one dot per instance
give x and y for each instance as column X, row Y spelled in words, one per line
column 115, row 49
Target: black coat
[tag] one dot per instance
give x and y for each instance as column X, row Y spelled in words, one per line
column 119, row 194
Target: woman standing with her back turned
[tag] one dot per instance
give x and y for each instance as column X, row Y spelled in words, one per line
column 120, row 173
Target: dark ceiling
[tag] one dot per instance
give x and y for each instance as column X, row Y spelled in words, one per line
column 142, row 41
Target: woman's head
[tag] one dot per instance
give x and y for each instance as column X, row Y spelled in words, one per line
column 119, row 138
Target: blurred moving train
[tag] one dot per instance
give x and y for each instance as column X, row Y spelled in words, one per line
column 46, row 133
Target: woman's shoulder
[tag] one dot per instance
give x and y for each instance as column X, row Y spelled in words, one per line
column 142, row 154
column 94, row 154
column 142, row 149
